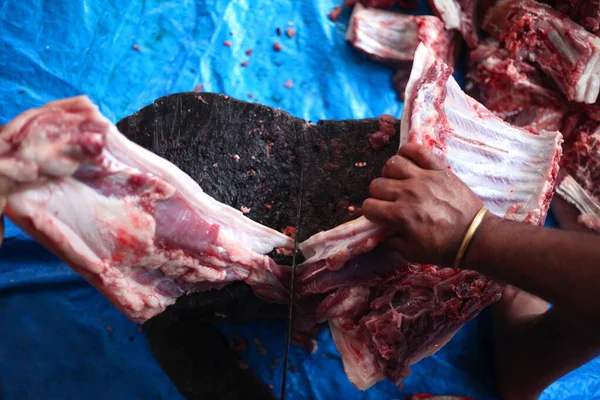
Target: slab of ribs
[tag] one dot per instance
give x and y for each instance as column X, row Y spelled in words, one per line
column 145, row 233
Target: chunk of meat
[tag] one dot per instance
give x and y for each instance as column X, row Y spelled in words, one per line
column 580, row 185
column 513, row 90
column 134, row 225
column 382, row 138
column 392, row 38
column 584, row 12
column 562, row 49
column 460, row 15
column 331, row 249
column 385, row 313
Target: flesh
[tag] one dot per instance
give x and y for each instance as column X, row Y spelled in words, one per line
column 580, row 183
column 135, row 226
column 564, row 50
column 459, row 15
column 514, row 90
column 385, row 313
column 392, row 38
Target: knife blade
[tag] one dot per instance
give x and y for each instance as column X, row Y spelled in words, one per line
column 290, row 321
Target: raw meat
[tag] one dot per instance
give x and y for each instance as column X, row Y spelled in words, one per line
column 478, row 146
column 580, row 185
column 495, row 15
column 585, row 12
column 386, row 314
column 565, row 51
column 331, row 249
column 134, row 225
column 382, row 138
column 392, row 38
column 460, row 15
column 513, row 90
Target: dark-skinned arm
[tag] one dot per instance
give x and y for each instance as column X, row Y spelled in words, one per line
column 430, row 210
column 561, row 267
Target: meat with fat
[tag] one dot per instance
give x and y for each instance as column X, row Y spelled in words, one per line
column 562, row 49
column 580, row 175
column 134, row 225
column 478, row 146
column 392, row 38
column 460, row 15
column 514, row 90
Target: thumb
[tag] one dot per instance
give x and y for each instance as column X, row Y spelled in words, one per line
column 422, row 156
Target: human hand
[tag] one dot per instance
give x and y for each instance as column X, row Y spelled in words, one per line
column 424, row 203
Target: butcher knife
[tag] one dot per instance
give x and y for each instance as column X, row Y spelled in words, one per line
column 290, row 319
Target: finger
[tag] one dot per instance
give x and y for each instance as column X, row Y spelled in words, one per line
column 381, row 212
column 386, row 189
column 399, row 167
column 422, row 156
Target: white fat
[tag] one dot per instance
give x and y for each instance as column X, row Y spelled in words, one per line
column 450, row 12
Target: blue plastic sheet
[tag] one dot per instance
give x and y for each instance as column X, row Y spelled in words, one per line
column 59, row 338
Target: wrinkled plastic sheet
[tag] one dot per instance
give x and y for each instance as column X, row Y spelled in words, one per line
column 59, row 338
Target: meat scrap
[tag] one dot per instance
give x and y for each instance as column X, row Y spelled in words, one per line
column 432, row 303
column 562, row 49
column 584, row 12
column 392, row 38
column 460, row 15
column 514, row 91
column 380, row 139
column 580, row 185
column 335, row 14
column 135, row 226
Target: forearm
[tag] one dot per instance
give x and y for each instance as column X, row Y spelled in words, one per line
column 532, row 351
column 561, row 267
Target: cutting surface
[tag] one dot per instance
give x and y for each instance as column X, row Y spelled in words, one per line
column 60, row 338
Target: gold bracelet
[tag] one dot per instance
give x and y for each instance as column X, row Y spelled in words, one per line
column 462, row 250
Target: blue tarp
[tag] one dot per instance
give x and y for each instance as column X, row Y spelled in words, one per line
column 59, row 338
